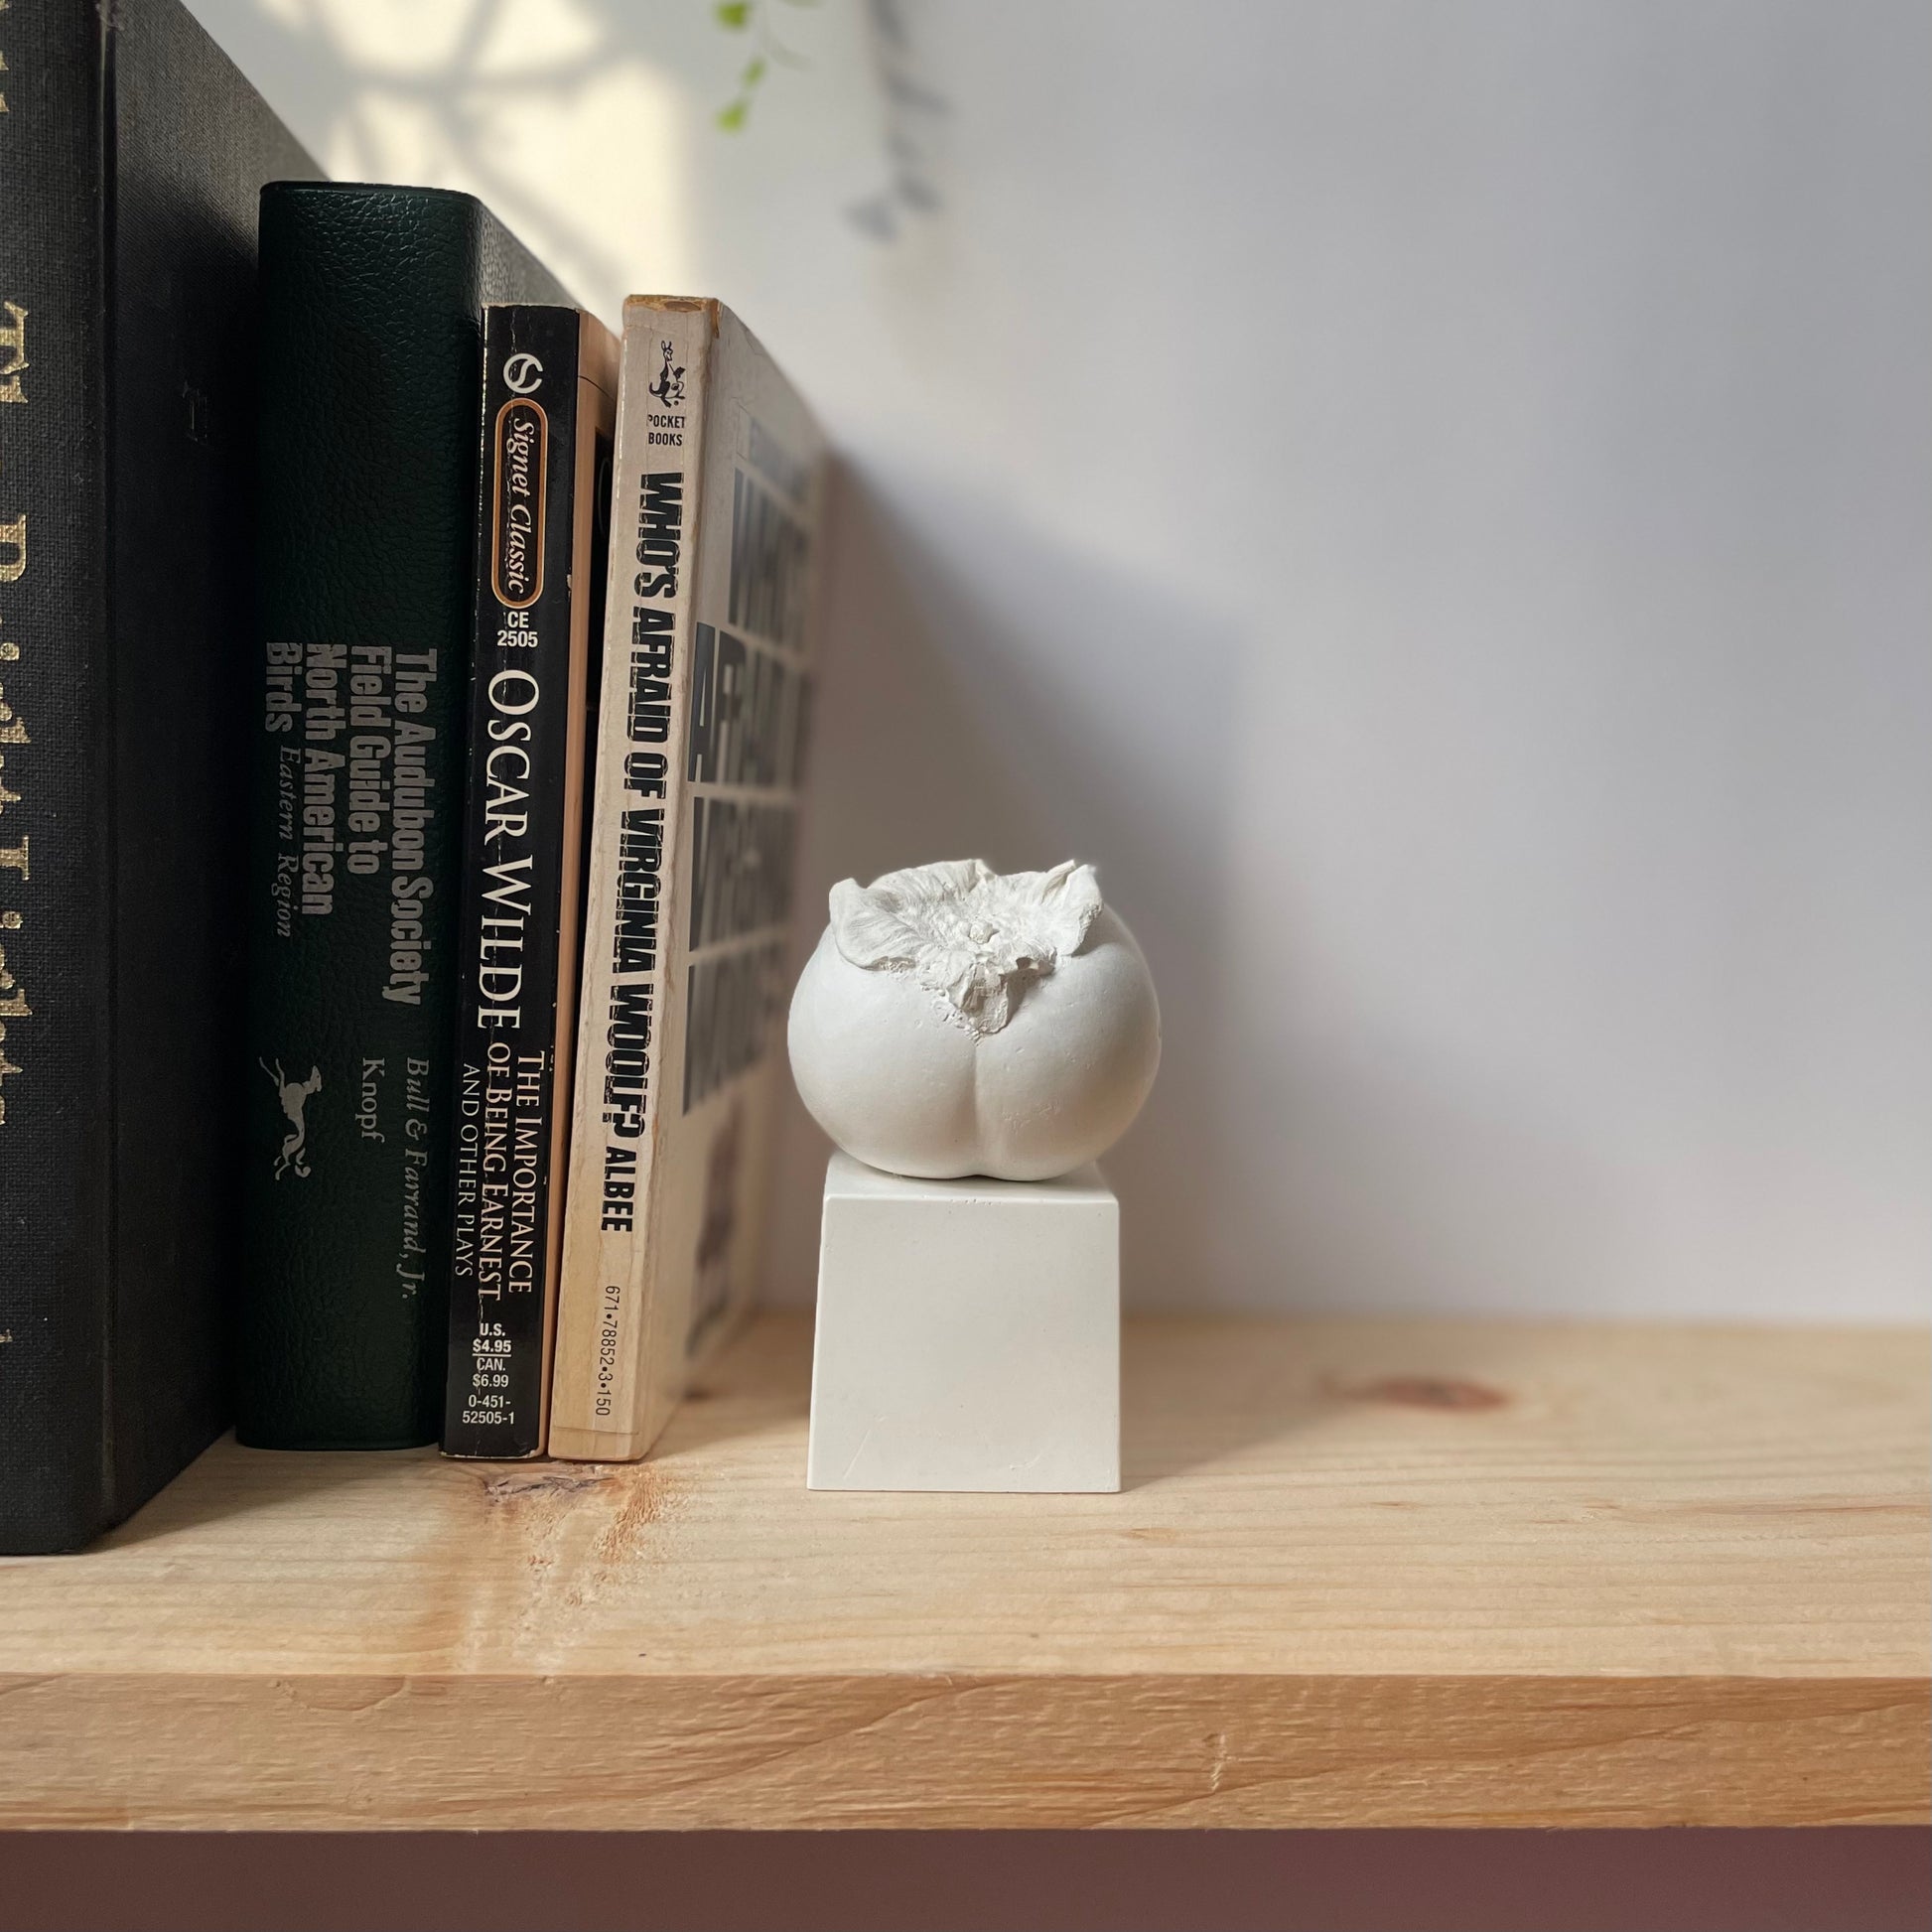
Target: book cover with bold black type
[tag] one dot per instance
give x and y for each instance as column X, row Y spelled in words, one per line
column 549, row 404
column 717, row 499
column 371, row 367
column 131, row 157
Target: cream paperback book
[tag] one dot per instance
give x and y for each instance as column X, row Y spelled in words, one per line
column 716, row 501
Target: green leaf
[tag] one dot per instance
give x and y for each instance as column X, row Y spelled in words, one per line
column 753, row 74
column 732, row 118
column 734, row 14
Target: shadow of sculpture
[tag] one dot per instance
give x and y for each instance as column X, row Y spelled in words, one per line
column 950, row 728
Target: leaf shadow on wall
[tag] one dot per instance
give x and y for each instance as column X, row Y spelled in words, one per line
column 458, row 94
column 954, row 721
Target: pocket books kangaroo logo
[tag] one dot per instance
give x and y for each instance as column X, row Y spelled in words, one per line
column 294, row 1096
column 668, row 388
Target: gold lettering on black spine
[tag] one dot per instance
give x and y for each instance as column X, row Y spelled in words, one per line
column 16, row 852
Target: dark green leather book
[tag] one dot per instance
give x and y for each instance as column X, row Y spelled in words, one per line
column 372, row 369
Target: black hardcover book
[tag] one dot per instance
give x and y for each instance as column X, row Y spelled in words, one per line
column 372, row 302
column 549, row 405
column 131, row 156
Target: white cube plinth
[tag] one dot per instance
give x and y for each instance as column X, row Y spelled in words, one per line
column 968, row 1333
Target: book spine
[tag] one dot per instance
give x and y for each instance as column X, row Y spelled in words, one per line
column 372, row 369
column 600, row 1393
column 55, row 820
column 513, row 923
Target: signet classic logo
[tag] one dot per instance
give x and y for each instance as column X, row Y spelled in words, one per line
column 522, row 373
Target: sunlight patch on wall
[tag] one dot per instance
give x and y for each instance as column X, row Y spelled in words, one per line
column 549, row 110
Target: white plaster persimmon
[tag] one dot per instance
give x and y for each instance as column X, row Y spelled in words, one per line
column 956, row 1020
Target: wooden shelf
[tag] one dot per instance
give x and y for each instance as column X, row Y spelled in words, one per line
column 1363, row 1574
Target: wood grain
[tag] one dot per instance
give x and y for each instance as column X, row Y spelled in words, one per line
column 1362, row 1573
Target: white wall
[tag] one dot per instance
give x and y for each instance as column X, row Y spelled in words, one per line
column 1434, row 498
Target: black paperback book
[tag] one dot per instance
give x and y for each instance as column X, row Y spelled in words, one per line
column 131, row 157
column 542, row 542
